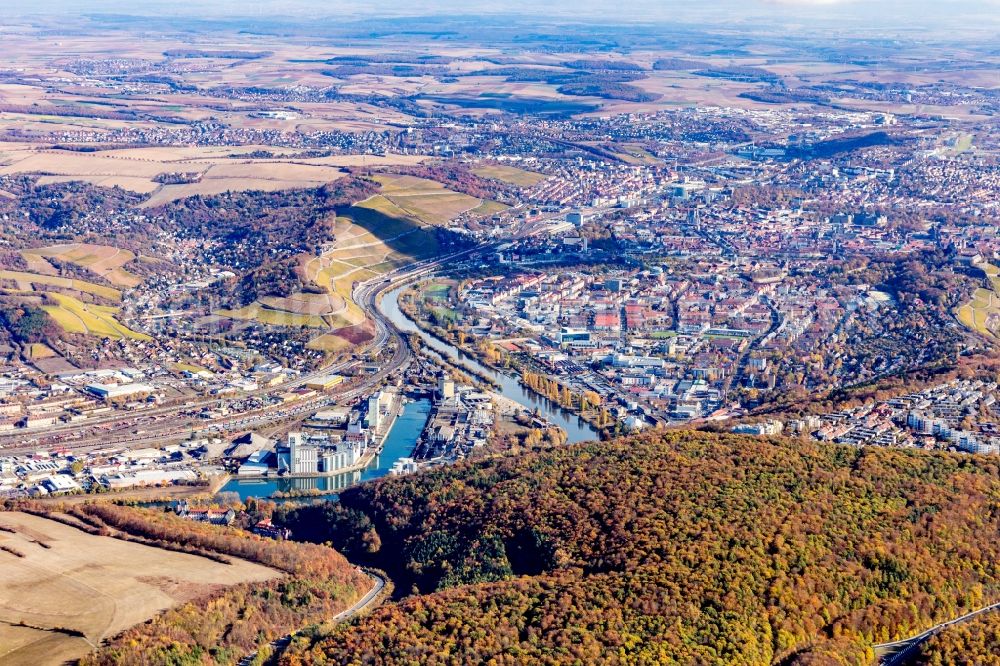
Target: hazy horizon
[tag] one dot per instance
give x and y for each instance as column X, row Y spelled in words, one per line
column 976, row 15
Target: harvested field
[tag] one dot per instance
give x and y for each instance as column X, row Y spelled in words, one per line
column 367, row 160
column 193, row 153
column 103, row 260
column 54, row 365
column 245, row 176
column 40, row 265
column 400, row 184
column 67, row 163
column 32, row 281
column 132, row 184
column 509, row 174
column 221, row 169
column 82, row 588
column 205, row 188
column 281, row 171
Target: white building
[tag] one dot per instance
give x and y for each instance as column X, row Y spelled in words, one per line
column 375, row 411
column 303, row 459
column 59, row 483
column 446, row 387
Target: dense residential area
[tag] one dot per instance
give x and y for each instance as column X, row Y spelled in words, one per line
column 650, row 333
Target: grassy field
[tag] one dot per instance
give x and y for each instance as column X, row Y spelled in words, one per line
column 437, row 291
column 104, row 261
column 40, row 350
column 982, row 313
column 32, row 281
column 490, row 208
column 273, row 317
column 187, row 367
column 74, row 316
column 509, row 174
column 993, row 273
column 960, row 144
column 64, row 597
column 330, row 343
column 635, row 154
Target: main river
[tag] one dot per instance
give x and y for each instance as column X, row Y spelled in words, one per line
column 404, row 434
column 577, row 430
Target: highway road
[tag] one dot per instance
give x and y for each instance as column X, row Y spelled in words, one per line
column 900, row 652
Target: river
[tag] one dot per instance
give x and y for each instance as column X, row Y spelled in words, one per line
column 577, row 430
column 404, row 434
column 399, row 443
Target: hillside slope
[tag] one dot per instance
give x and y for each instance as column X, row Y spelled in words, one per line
column 976, row 643
column 666, row 548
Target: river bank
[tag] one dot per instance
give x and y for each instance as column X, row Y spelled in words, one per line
column 591, row 418
column 577, row 430
column 398, row 443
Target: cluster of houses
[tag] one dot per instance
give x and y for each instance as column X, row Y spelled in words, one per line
column 103, row 470
column 227, row 515
column 961, row 414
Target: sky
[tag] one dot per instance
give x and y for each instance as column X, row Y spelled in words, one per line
column 981, row 14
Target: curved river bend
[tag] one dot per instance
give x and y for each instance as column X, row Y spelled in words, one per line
column 404, row 434
column 577, row 430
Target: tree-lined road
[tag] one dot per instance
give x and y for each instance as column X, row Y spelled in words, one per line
column 364, row 603
column 899, row 653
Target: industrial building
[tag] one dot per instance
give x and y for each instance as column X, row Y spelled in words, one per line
column 117, row 391
column 300, row 456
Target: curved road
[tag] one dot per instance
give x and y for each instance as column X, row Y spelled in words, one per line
column 910, row 645
column 279, row 645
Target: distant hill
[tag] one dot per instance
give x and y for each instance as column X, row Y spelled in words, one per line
column 677, row 547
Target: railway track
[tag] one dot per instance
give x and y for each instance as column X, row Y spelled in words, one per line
column 169, row 423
